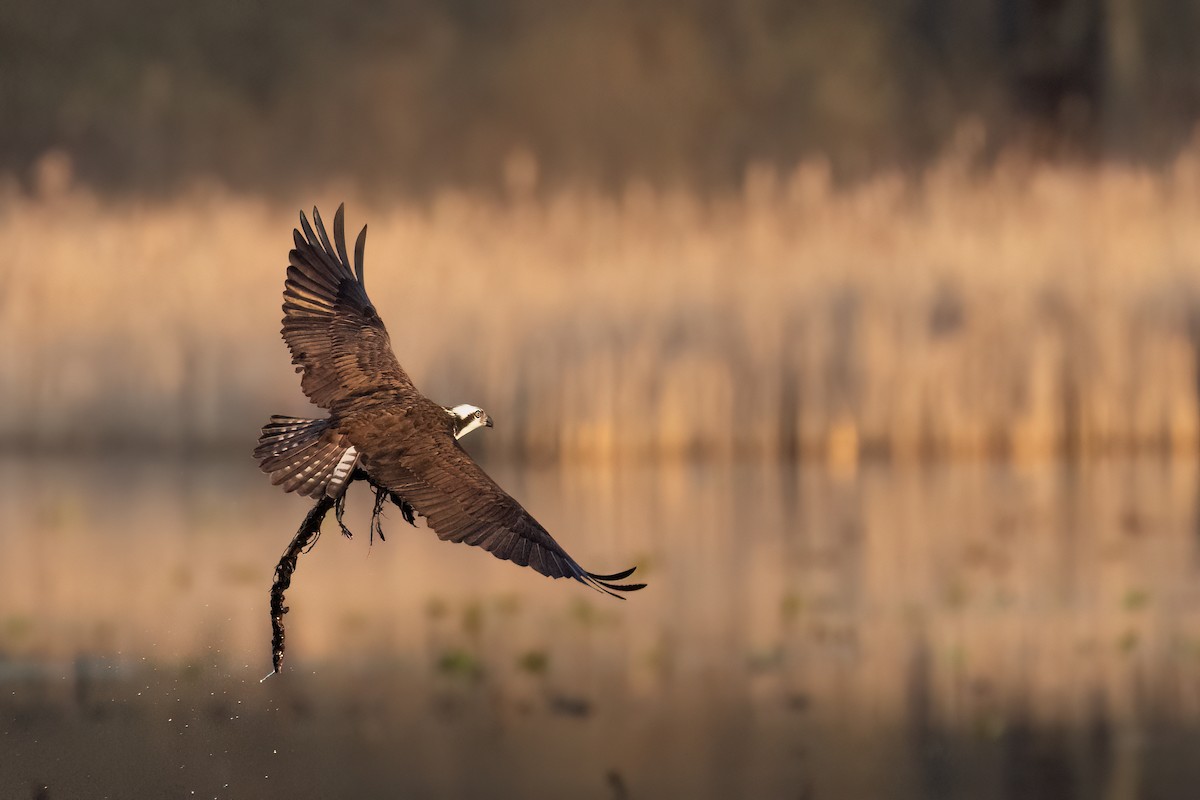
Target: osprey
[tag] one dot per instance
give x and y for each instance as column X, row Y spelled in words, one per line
column 380, row 428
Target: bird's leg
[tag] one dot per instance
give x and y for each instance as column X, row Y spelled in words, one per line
column 381, row 497
column 338, row 510
column 307, row 535
column 406, row 510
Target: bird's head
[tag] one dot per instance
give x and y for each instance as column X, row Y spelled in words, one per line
column 467, row 418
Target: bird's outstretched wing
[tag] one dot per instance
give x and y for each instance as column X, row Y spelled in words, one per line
column 336, row 338
column 461, row 503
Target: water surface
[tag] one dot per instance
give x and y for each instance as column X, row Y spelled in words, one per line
column 964, row 630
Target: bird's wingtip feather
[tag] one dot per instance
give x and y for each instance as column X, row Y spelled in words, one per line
column 606, row 583
column 616, row 576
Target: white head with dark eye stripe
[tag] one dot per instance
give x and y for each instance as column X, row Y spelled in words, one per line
column 467, row 418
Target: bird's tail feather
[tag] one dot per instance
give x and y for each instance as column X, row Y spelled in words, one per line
column 306, row 456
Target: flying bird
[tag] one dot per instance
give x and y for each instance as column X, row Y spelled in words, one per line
column 380, row 427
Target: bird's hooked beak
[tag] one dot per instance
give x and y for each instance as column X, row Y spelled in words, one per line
column 489, row 422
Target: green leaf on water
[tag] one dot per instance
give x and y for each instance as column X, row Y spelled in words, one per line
column 1136, row 599
column 16, row 627
column 472, row 618
column 535, row 662
column 791, row 606
column 460, row 664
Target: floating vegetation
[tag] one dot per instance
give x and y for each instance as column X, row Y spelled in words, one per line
column 1128, row 642
column 16, row 628
column 791, row 606
column 460, row 664
column 1136, row 599
column 766, row 660
column 798, row 702
column 616, row 784
column 472, row 618
column 534, row 662
column 589, row 616
column 570, row 705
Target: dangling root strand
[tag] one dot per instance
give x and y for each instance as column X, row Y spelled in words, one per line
column 306, row 536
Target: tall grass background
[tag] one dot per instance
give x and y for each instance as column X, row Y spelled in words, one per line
column 1020, row 309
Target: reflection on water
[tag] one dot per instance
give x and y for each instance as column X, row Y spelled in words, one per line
column 964, row 630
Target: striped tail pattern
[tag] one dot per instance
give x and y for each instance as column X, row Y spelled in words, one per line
column 306, row 456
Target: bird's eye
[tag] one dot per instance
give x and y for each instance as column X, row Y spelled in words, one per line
column 479, row 414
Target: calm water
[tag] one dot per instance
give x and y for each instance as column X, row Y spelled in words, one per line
column 970, row 631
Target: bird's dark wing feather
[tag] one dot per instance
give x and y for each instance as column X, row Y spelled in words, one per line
column 461, row 503
column 336, row 337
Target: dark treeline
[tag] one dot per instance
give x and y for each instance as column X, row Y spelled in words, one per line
column 403, row 96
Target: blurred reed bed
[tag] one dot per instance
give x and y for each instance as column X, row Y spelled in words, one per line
column 1020, row 310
